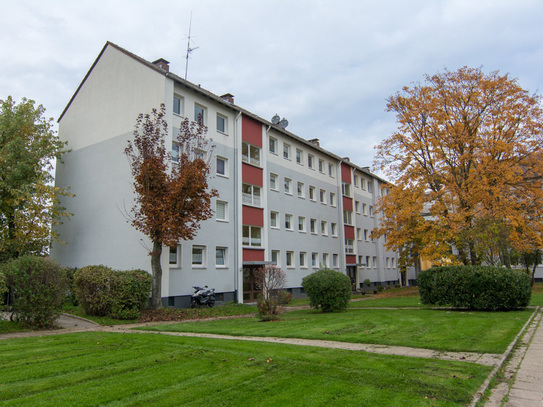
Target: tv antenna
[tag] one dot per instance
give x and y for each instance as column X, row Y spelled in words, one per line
column 189, row 49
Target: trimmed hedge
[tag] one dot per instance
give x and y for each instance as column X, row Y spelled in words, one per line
column 475, row 287
column 102, row 291
column 38, row 286
column 328, row 290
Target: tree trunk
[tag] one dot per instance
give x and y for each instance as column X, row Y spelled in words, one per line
column 156, row 268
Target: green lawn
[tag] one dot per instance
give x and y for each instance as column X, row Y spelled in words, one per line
column 95, row 368
column 488, row 332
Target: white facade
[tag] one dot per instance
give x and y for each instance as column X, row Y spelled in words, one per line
column 280, row 197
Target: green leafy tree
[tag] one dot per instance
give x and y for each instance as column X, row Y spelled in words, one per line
column 29, row 203
column 172, row 195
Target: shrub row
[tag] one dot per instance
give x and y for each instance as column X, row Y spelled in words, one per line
column 102, row 291
column 475, row 287
column 328, row 290
column 37, row 288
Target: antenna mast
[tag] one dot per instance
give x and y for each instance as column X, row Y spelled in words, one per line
column 189, row 49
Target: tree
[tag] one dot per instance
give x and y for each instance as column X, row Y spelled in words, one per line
column 29, row 203
column 270, row 280
column 172, row 195
column 466, row 164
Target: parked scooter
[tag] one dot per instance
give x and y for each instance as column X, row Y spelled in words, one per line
column 202, row 297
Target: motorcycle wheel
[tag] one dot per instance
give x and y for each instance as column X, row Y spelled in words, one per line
column 193, row 304
column 211, row 303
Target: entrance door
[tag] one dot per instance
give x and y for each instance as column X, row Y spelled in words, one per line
column 351, row 272
column 250, row 291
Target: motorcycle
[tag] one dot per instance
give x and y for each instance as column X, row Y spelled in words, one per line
column 202, row 297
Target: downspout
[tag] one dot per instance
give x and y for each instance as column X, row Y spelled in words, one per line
column 238, row 293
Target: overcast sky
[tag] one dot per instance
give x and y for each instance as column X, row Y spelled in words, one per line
column 327, row 66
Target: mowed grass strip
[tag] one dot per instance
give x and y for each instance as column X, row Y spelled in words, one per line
column 484, row 332
column 96, row 368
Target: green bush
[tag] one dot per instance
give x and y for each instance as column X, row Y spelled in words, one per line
column 475, row 287
column 3, row 288
column 102, row 291
column 38, row 286
column 70, row 292
column 328, row 290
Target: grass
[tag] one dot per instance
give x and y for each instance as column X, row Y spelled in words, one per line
column 96, row 368
column 485, row 332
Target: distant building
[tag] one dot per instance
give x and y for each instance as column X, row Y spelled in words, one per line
column 282, row 199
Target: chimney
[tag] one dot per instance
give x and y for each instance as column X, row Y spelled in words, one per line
column 228, row 97
column 347, row 159
column 162, row 63
column 315, row 142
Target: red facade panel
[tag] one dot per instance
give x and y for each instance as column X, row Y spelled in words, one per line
column 251, row 131
column 349, row 232
column 253, row 216
column 345, row 173
column 347, row 203
column 252, row 175
column 350, row 259
column 253, row 255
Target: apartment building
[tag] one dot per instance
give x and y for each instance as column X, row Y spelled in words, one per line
column 282, row 199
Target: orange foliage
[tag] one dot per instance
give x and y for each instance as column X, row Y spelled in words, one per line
column 468, row 156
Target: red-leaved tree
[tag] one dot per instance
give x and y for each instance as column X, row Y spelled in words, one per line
column 172, row 193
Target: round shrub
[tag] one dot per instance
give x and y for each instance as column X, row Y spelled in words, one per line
column 102, row 291
column 328, row 290
column 92, row 289
column 475, row 287
column 38, row 286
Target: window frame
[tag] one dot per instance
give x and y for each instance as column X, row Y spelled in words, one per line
column 202, row 254
column 225, row 257
column 225, row 204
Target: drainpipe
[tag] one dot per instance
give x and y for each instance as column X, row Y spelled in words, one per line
column 238, row 293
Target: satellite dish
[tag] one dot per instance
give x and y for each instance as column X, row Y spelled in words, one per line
column 275, row 119
column 283, row 124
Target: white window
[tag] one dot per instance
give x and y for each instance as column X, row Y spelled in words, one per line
column 274, row 219
column 221, row 123
column 250, row 194
column 273, row 182
column 348, row 217
column 286, row 151
column 371, row 210
column 368, row 264
column 252, row 236
column 275, row 257
column 175, row 152
column 287, row 185
column 365, row 209
column 374, row 262
column 312, row 192
column 370, row 186
column 221, row 210
column 355, row 180
column 220, row 256
column 199, row 114
column 333, row 229
column 357, row 206
column 178, row 105
column 363, row 183
column 288, row 222
column 301, row 190
column 332, row 199
column 313, row 226
column 361, row 261
column 321, row 166
column 358, row 234
column 250, row 154
column 299, row 156
column 366, row 235
column 314, row 260
column 322, row 196
column 335, row 261
column 349, row 247
column 387, row 262
column 273, row 145
column 393, row 262
column 303, row 259
column 175, row 255
column 346, row 188
column 301, row 224
column 222, row 166
column 325, row 262
column 324, row 228
column 198, row 256
column 331, row 170
column 290, row 259
column 311, row 161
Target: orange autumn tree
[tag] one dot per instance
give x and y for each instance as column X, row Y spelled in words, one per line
column 172, row 195
column 466, row 165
